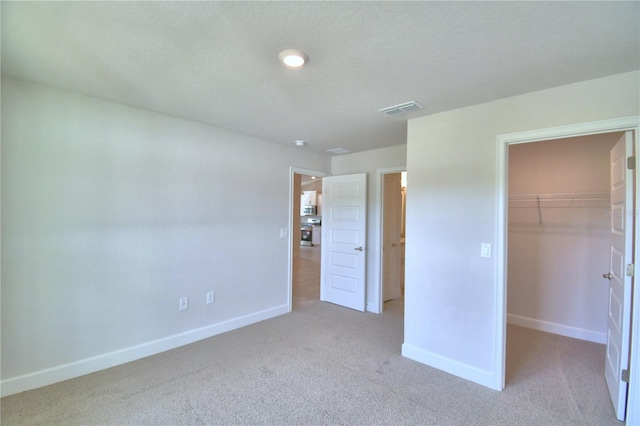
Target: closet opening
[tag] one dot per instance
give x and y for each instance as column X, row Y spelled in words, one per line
column 558, row 235
column 567, row 235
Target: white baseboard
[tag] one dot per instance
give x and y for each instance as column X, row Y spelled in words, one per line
column 451, row 366
column 111, row 359
column 555, row 328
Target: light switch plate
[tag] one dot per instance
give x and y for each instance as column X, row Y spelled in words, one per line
column 485, row 250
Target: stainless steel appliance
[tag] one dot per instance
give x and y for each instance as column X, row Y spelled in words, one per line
column 306, row 230
column 309, row 210
column 306, row 234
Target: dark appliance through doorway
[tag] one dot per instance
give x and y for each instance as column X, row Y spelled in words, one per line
column 306, row 230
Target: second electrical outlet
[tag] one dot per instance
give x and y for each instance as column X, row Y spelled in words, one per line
column 184, row 303
column 211, row 297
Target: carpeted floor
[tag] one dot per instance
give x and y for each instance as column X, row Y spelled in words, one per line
column 324, row 364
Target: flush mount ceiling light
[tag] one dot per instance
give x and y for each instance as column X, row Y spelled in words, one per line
column 300, row 142
column 293, row 58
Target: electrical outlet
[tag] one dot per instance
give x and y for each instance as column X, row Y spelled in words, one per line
column 211, row 297
column 485, row 250
column 183, row 303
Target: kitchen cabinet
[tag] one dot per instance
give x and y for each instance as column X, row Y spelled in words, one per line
column 309, row 198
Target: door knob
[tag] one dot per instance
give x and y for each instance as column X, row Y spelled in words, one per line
column 607, row 276
column 359, row 249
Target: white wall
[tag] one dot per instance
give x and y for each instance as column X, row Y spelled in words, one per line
column 557, row 254
column 370, row 162
column 450, row 292
column 111, row 213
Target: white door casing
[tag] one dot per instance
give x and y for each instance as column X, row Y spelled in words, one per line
column 618, row 277
column 391, row 216
column 343, row 250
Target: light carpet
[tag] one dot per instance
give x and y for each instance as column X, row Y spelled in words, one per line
column 324, row 364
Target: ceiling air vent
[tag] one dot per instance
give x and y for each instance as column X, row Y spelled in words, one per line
column 394, row 111
column 338, row 151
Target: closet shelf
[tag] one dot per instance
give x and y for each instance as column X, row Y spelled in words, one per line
column 567, row 200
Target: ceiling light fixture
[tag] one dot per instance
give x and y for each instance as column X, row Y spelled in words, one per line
column 300, row 142
column 293, row 58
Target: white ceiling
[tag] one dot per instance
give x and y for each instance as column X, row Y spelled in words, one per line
column 217, row 62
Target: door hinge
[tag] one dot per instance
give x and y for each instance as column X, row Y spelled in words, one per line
column 624, row 376
column 631, row 269
column 631, row 163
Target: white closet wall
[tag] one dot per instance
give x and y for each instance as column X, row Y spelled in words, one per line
column 558, row 235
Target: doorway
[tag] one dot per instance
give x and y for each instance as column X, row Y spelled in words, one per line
column 393, row 185
column 558, row 235
column 305, row 230
column 342, row 279
column 504, row 142
column 558, row 248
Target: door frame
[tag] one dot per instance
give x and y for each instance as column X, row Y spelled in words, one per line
column 380, row 234
column 292, row 172
column 503, row 142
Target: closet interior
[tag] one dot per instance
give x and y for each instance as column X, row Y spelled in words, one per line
column 558, row 235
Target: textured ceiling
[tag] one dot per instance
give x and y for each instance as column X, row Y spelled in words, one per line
column 217, row 62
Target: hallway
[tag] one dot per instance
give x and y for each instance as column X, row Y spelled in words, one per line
column 306, row 277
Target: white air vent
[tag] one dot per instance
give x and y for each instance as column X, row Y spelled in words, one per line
column 404, row 108
column 338, row 151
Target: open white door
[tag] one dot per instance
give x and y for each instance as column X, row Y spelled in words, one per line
column 392, row 230
column 342, row 275
column 620, row 274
